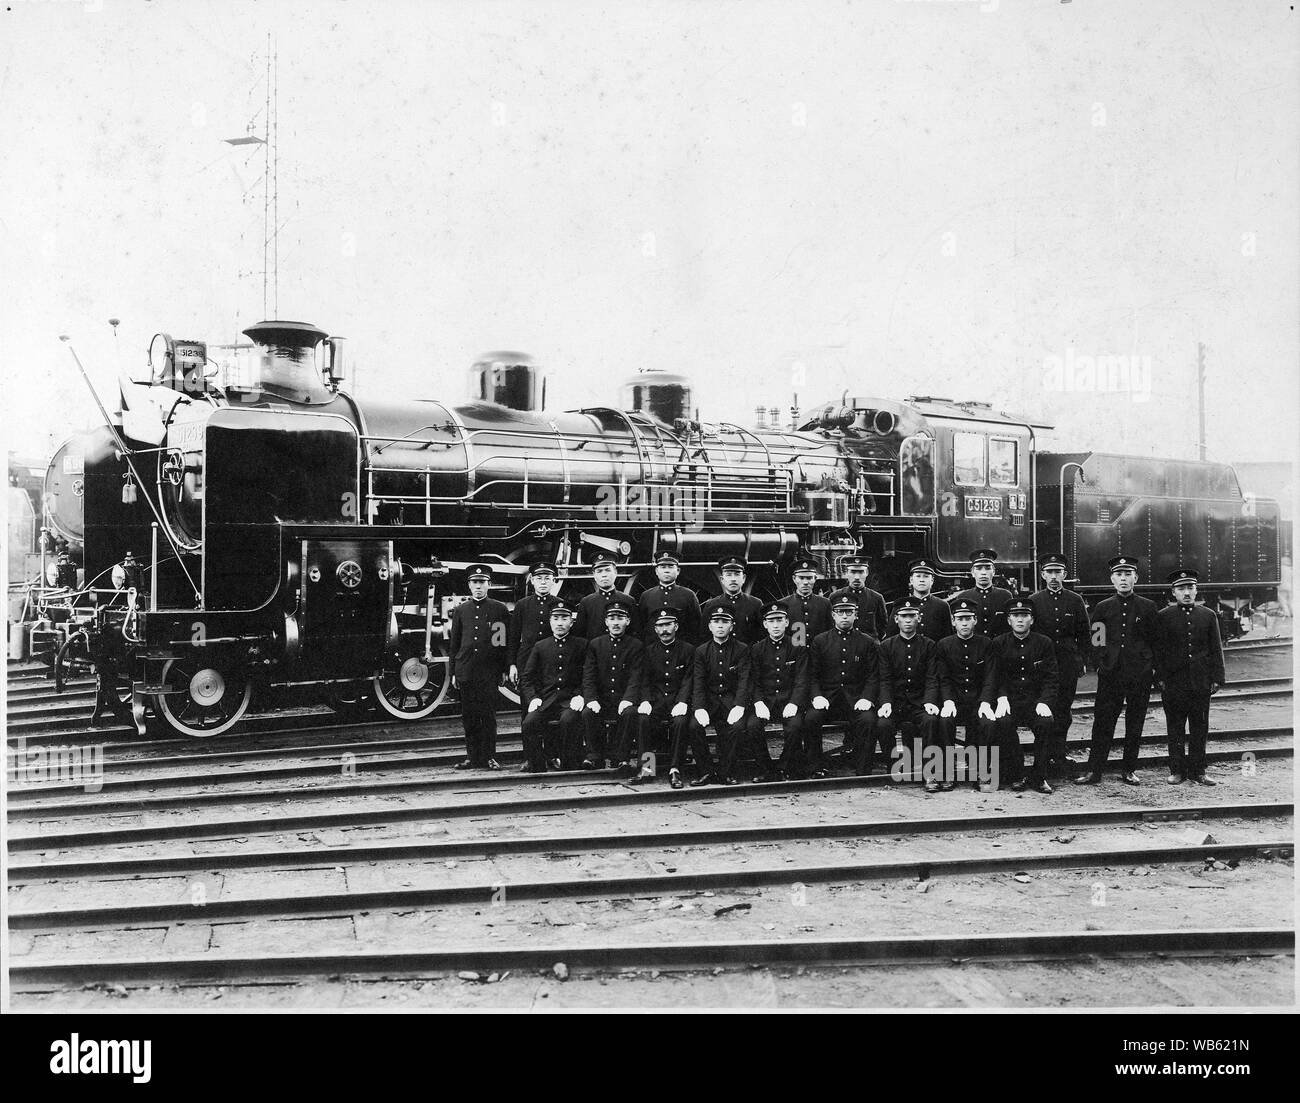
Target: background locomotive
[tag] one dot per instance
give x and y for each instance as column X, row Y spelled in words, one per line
column 271, row 530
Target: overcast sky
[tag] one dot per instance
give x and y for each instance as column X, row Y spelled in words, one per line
column 957, row 198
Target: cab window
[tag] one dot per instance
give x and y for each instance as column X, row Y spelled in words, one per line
column 968, row 459
column 1002, row 462
column 916, row 476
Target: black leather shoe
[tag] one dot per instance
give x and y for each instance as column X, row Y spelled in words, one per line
column 493, row 764
column 555, row 764
column 1044, row 787
column 1090, row 778
column 527, row 769
column 1128, row 777
column 590, row 764
column 1019, row 786
column 466, row 765
column 1175, row 779
column 703, row 779
column 1203, row 780
column 675, row 780
column 947, row 786
column 820, row 772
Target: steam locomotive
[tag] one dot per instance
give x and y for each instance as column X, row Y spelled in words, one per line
column 271, row 531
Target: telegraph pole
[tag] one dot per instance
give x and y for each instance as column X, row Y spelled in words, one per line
column 1200, row 396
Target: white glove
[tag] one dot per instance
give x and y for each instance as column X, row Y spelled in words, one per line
column 702, row 717
column 576, row 703
column 735, row 714
column 1043, row 710
column 679, row 709
column 514, row 673
column 949, row 709
column 885, row 711
column 861, row 705
column 762, row 711
column 592, row 706
column 789, row 711
column 985, row 711
column 623, row 706
column 534, row 704
column 821, row 703
column 644, row 708
column 1003, row 709
column 933, row 710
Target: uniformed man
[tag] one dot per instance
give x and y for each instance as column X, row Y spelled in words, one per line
column 611, row 687
column 479, row 658
column 936, row 616
column 1025, row 681
column 1189, row 666
column 743, row 607
column 669, row 595
column 1062, row 616
column 844, row 676
column 552, row 691
column 590, row 620
column 531, row 619
column 667, row 671
column 810, row 614
column 779, row 668
column 1124, row 633
column 721, row 692
column 967, row 687
column 909, row 682
column 991, row 601
column 872, row 617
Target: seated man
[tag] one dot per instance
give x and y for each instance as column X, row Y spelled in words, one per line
column 667, row 672
column 552, row 687
column 720, row 687
column 611, row 684
column 909, row 682
column 844, row 671
column 1025, row 682
column 779, row 668
column 966, row 686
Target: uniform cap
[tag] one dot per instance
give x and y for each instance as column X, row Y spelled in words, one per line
column 774, row 609
column 666, row 616
column 562, row 608
column 666, row 557
column 617, row 611
column 1183, row 574
column 804, row 564
column 908, row 605
column 983, row 555
column 844, row 603
column 721, row 614
column 922, row 566
column 855, row 561
column 965, row 605
column 735, row 562
column 1123, row 562
column 1055, row 559
column 543, row 568
column 604, row 561
column 479, row 571
column 1019, row 605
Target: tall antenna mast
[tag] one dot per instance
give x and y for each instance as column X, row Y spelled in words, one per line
column 266, row 177
column 275, row 180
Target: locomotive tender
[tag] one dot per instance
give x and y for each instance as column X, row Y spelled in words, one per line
column 275, row 531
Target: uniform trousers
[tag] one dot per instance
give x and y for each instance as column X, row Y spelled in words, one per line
column 1116, row 694
column 659, row 732
column 478, row 705
column 753, row 741
column 620, row 748
column 1187, row 722
column 903, row 717
column 1011, row 756
column 859, row 733
column 728, row 734
column 979, row 735
column 553, row 731
column 1069, row 665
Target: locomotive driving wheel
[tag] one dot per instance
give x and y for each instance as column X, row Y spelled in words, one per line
column 408, row 687
column 208, row 695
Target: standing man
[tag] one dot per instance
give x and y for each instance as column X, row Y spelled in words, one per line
column 967, row 684
column 551, row 691
column 721, row 690
column 1062, row 616
column 668, row 669
column 936, row 616
column 668, row 595
column 1124, row 634
column 531, row 619
column 872, row 617
column 909, row 683
column 590, row 621
column 611, row 686
column 844, row 671
column 809, row 613
column 479, row 653
column 780, row 671
column 1189, row 666
column 1026, row 686
column 742, row 606
column 990, row 601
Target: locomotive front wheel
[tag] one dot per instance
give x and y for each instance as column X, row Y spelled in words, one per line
column 409, row 688
column 207, row 697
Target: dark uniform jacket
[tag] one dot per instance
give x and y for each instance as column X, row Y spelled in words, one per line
column 745, row 608
column 813, row 612
column 847, row 662
column 1026, row 668
column 1131, row 635
column 667, row 673
column 967, row 670
column 779, row 670
column 612, row 671
column 554, row 670
column 681, row 601
column 1189, row 655
column 589, row 621
column 872, row 616
column 935, row 622
column 991, row 609
column 530, row 622
column 908, row 671
column 479, row 640
column 722, row 675
column 1063, row 618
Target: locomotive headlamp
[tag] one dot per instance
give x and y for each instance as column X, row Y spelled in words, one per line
column 119, row 576
column 52, row 573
